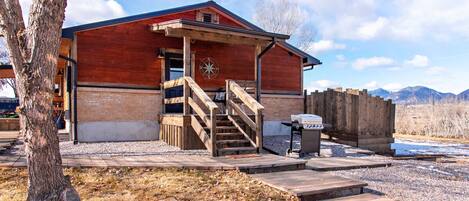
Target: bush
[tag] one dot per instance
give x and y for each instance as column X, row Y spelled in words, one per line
column 447, row 119
column 11, row 115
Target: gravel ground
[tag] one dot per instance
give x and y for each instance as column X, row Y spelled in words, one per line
column 117, row 149
column 415, row 180
column 404, row 180
column 281, row 143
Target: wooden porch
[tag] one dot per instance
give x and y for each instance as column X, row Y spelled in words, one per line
column 234, row 129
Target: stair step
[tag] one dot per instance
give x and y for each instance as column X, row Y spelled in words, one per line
column 230, row 136
column 223, row 128
column 362, row 197
column 232, row 141
column 224, row 123
column 236, row 150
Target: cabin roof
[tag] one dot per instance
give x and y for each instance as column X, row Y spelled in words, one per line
column 69, row 31
column 182, row 23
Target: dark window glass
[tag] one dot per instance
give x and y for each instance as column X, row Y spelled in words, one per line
column 208, row 17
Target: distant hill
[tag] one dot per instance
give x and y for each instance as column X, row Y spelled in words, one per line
column 418, row 94
column 464, row 95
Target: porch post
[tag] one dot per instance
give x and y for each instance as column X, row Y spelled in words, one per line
column 257, row 71
column 187, row 56
column 187, row 71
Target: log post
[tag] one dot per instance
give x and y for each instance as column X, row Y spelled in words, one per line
column 187, row 72
column 213, row 130
column 259, row 127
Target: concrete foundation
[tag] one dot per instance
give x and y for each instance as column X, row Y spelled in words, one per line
column 275, row 128
column 106, row 131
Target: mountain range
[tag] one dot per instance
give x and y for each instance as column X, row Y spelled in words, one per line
column 418, row 94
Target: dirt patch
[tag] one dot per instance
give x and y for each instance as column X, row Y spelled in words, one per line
column 149, row 184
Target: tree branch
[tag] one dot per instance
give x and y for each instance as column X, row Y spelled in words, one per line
column 13, row 29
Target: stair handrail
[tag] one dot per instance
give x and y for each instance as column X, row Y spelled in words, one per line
column 233, row 88
column 209, row 119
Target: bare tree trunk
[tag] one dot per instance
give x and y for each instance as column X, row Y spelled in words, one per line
column 33, row 53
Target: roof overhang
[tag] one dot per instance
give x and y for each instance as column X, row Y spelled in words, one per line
column 6, row 71
column 215, row 32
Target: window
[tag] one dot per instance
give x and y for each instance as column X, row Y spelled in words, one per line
column 207, row 17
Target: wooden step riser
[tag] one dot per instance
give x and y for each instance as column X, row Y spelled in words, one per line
column 233, row 144
column 230, row 137
column 224, row 153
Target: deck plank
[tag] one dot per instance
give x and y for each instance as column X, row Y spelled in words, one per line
column 343, row 163
column 307, row 182
column 361, row 197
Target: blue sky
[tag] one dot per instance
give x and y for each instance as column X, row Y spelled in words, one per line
column 362, row 43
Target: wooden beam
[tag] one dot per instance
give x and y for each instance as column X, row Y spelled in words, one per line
column 248, row 100
column 163, row 79
column 174, row 100
column 242, row 115
column 173, row 83
column 199, row 111
column 214, row 37
column 177, row 25
column 257, row 71
column 201, row 94
column 187, row 55
column 199, row 130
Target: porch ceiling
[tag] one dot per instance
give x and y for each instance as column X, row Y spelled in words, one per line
column 215, row 32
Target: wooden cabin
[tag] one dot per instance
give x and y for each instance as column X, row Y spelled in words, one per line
column 155, row 76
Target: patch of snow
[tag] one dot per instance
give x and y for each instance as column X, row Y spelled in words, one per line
column 412, row 147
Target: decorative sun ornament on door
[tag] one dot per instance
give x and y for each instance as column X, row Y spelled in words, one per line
column 208, row 68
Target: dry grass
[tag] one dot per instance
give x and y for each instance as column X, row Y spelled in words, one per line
column 448, row 120
column 149, row 184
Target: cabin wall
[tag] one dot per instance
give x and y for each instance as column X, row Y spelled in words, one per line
column 126, row 56
column 117, row 114
column 279, row 108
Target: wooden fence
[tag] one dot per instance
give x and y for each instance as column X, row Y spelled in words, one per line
column 9, row 124
column 355, row 118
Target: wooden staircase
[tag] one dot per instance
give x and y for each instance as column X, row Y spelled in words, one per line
column 239, row 131
column 229, row 139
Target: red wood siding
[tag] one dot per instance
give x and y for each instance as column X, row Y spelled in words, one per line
column 124, row 54
column 281, row 70
column 234, row 61
column 127, row 54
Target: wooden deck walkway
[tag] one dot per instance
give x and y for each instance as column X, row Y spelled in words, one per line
column 361, row 197
column 311, row 185
column 343, row 163
column 247, row 163
column 7, row 138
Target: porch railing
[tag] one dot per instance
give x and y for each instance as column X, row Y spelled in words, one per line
column 208, row 118
column 235, row 96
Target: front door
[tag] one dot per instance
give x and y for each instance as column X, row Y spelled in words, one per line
column 174, row 70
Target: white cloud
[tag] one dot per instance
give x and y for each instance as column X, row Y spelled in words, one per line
column 340, row 57
column 325, row 45
column 435, row 70
column 418, row 61
column 362, row 63
column 395, row 19
column 321, row 85
column 369, row 30
column 392, row 86
column 371, row 85
column 85, row 11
